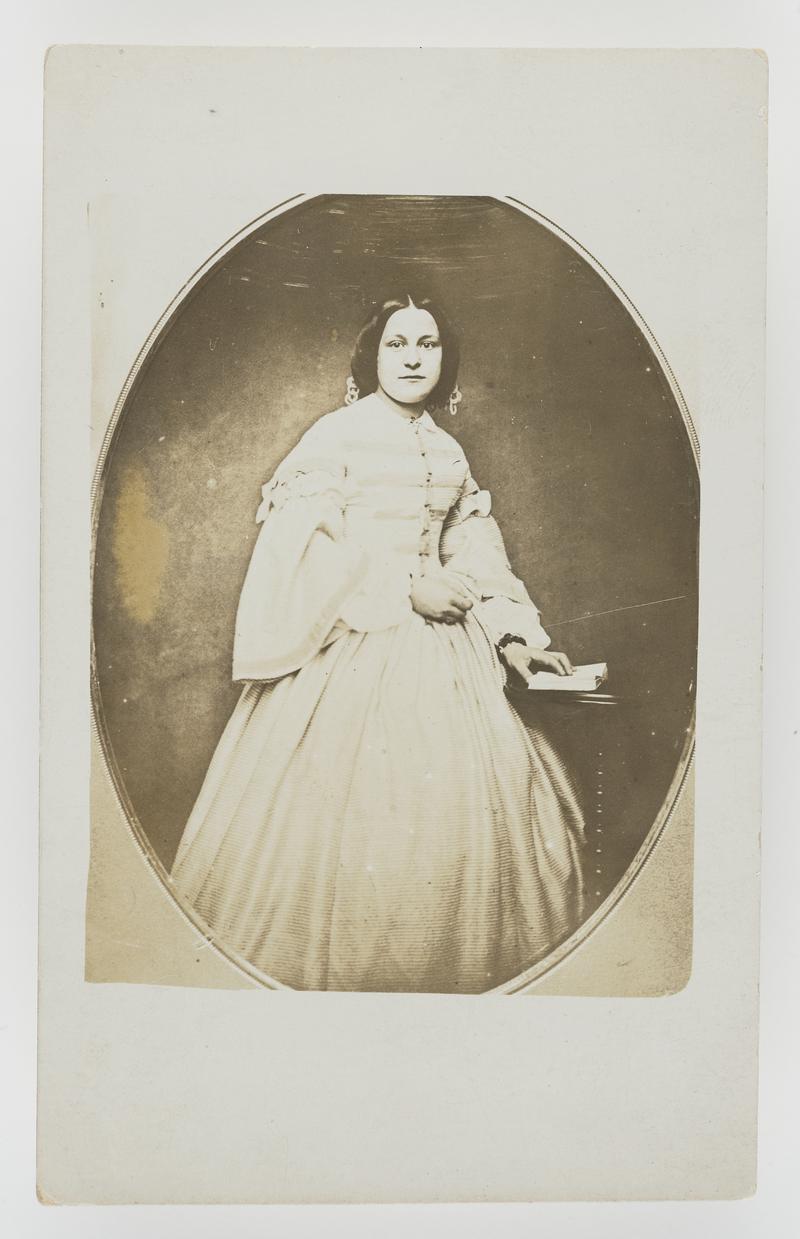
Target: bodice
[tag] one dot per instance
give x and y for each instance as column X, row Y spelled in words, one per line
column 367, row 500
column 402, row 477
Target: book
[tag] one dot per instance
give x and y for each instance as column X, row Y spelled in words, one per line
column 584, row 679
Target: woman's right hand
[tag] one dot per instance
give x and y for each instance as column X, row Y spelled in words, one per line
column 440, row 596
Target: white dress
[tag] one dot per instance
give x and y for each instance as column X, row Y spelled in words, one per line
column 376, row 815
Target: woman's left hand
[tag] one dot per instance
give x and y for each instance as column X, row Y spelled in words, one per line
column 525, row 660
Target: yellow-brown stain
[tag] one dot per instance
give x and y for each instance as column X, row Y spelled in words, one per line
column 141, row 546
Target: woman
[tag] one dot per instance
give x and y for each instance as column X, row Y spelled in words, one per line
column 376, row 815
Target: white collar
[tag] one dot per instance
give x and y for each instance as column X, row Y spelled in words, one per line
column 423, row 418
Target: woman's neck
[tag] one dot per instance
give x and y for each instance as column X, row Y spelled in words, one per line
column 409, row 411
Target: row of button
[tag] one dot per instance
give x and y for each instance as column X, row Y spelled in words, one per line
column 425, row 539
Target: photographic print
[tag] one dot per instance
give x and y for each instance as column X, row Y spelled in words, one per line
column 400, row 745
column 395, row 595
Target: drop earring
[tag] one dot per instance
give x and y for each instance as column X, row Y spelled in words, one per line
column 455, row 397
column 351, row 395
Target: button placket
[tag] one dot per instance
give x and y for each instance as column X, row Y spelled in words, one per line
column 425, row 532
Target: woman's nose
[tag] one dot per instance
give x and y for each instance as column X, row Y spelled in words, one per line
column 412, row 360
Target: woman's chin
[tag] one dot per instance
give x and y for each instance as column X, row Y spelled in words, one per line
column 410, row 398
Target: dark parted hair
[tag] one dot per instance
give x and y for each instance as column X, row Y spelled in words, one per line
column 364, row 363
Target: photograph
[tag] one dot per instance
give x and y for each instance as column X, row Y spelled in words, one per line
column 402, row 563
column 395, row 595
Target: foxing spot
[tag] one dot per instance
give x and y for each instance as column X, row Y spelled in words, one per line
column 140, row 548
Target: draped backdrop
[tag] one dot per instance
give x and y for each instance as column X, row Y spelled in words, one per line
column 567, row 418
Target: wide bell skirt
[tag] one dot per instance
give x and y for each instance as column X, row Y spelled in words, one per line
column 383, row 820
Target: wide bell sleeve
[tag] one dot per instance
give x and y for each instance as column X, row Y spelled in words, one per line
column 306, row 583
column 472, row 546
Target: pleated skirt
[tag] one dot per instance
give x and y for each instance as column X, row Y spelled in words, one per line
column 383, row 820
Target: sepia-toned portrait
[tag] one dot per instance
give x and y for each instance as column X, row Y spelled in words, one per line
column 395, row 595
column 400, row 712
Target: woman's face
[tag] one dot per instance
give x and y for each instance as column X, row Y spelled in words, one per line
column 409, row 355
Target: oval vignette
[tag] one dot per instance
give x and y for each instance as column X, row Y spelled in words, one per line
column 570, row 417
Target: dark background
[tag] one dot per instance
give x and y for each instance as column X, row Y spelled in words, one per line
column 567, row 419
